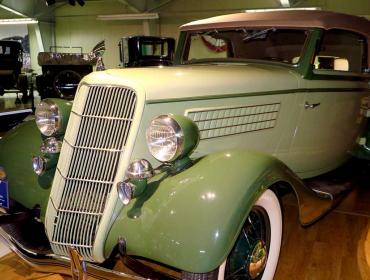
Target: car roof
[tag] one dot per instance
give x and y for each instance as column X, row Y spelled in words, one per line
column 10, row 43
column 285, row 19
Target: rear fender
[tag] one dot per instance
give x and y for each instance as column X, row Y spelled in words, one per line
column 191, row 220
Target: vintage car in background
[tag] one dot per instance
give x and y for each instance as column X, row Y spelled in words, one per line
column 183, row 166
column 141, row 51
column 11, row 63
column 63, row 71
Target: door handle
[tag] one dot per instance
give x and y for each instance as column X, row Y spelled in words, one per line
column 311, row 105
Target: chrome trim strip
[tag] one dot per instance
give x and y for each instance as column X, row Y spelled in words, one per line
column 94, row 149
column 101, row 117
column 83, row 180
column 248, row 94
column 81, row 212
column 15, row 112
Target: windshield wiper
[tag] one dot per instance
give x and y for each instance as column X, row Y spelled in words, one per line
column 259, row 34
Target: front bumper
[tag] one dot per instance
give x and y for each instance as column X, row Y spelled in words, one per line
column 52, row 263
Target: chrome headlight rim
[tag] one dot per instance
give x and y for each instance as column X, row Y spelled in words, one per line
column 168, row 120
column 55, row 115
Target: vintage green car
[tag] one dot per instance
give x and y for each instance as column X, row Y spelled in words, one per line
column 183, row 166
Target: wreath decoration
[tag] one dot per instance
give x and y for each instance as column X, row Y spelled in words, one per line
column 217, row 46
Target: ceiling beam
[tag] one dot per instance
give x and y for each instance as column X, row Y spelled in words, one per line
column 14, row 11
column 156, row 5
column 130, row 6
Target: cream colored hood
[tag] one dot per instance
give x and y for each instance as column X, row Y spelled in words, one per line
column 194, row 81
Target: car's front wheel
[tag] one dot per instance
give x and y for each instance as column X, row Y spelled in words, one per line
column 256, row 251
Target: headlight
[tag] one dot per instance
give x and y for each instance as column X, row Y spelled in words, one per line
column 48, row 118
column 171, row 137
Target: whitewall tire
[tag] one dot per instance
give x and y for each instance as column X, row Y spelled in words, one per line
column 256, row 252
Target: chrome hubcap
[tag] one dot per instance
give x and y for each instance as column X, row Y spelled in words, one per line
column 257, row 260
column 248, row 258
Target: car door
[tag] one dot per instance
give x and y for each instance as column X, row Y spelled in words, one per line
column 330, row 118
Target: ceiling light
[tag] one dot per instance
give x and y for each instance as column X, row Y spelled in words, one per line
column 18, row 21
column 137, row 16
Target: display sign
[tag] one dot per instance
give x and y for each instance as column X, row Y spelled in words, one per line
column 4, row 195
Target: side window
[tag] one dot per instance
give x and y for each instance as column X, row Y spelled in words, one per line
column 342, row 50
column 5, row 50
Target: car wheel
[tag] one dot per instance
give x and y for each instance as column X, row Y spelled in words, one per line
column 256, row 251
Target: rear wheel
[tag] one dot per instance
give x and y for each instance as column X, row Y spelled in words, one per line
column 256, row 251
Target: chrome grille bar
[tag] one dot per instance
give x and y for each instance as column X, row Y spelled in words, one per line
column 93, row 153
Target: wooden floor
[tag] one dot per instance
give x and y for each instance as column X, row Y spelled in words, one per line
column 335, row 248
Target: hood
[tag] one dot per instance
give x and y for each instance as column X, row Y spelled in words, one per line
column 197, row 81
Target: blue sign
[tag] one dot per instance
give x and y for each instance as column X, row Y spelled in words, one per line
column 4, row 196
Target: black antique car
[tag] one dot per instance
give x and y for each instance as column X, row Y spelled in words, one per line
column 141, row 51
column 11, row 62
column 61, row 73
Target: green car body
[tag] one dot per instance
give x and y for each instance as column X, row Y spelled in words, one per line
column 262, row 124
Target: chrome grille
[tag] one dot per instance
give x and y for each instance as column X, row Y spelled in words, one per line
column 84, row 183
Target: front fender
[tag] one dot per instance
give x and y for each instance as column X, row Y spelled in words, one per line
column 191, row 220
column 16, row 150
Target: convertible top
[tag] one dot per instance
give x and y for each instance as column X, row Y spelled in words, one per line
column 54, row 58
column 286, row 19
column 294, row 18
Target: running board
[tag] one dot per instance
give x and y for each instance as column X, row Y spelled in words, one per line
column 336, row 192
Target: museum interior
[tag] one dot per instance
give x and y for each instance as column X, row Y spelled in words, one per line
column 185, row 139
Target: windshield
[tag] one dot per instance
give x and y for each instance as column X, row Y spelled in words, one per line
column 269, row 44
column 153, row 48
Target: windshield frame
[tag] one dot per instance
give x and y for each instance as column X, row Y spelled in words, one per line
column 185, row 40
